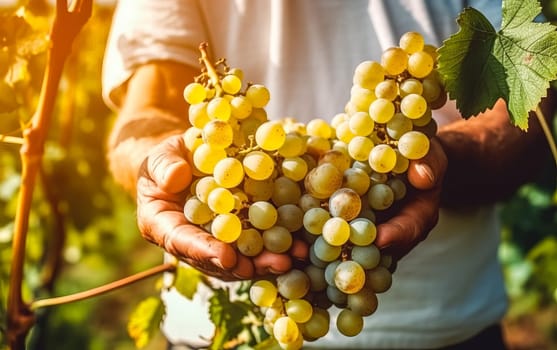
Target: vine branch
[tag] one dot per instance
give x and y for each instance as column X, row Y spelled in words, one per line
column 547, row 132
column 167, row 267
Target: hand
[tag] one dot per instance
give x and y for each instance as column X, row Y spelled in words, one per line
column 419, row 212
column 162, row 186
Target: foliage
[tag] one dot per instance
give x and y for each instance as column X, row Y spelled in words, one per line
column 515, row 63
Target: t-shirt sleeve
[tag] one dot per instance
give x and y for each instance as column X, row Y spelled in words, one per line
column 148, row 30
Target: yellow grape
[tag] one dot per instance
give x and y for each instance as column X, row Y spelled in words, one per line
column 221, row 200
column 194, row 93
column 228, row 172
column 382, row 158
column 258, row 165
column 231, row 84
column 218, row 133
column 258, row 95
column 413, row 106
column 205, row 157
column 319, row 128
column 420, row 64
column 394, row 60
column 381, row 110
column 368, row 74
column 270, row 135
column 411, row 42
column 219, row 108
column 226, row 227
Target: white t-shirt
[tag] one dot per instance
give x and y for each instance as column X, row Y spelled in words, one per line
column 447, row 289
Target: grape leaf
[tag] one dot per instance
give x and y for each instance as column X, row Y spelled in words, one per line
column 516, row 63
column 186, row 281
column 145, row 320
column 227, row 316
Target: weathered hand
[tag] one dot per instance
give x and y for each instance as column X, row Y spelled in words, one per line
column 162, row 183
column 419, row 212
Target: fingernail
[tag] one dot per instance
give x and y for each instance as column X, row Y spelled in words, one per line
column 217, row 263
column 425, row 171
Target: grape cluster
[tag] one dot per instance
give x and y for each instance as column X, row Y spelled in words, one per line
column 263, row 184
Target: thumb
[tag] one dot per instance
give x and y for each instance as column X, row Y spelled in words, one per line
column 167, row 166
column 428, row 172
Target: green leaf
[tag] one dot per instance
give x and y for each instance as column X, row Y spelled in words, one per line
column 145, row 320
column 186, row 280
column 227, row 316
column 516, row 63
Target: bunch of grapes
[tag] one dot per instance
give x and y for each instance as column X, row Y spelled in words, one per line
column 272, row 185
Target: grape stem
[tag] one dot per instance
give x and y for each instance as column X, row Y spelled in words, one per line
column 11, row 139
column 211, row 71
column 547, row 132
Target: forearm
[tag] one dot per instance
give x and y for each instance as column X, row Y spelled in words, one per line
column 489, row 158
column 152, row 110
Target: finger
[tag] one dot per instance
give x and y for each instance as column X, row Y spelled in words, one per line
column 271, row 263
column 168, row 168
column 428, row 172
column 410, row 226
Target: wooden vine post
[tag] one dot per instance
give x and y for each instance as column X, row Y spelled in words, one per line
column 68, row 22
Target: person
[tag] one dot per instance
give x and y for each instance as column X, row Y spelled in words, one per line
column 448, row 292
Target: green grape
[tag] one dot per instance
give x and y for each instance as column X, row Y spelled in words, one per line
column 240, row 107
column 324, row 251
column 345, row 203
column 314, row 219
column 263, row 293
column 231, row 84
column 285, row 191
column 337, row 297
column 398, row 126
column 349, row 277
column 250, row 242
column 294, row 146
column 228, row 172
column 317, row 326
column 424, row 119
column 411, row 42
column 367, row 256
column 362, row 232
column 295, row 345
column 386, row 261
column 226, row 227
column 377, row 177
column 204, row 186
column 323, row 180
column 291, row 217
column 381, row 110
column 192, row 138
column 258, row 165
column 277, row 239
column 394, row 60
column 314, row 260
column 368, row 74
column 221, row 200
column 258, row 95
column 379, row 279
column 262, row 215
column 363, row 303
column 420, row 64
column 307, row 202
column 367, row 213
column 343, row 132
column 339, row 118
column 197, row 115
column 336, row 231
column 317, row 146
column 316, row 276
column 293, row 284
column 413, row 106
column 432, row 51
column 361, row 124
column 285, row 330
column 240, row 199
column 380, row 196
column 219, row 108
column 194, row 93
column 330, row 272
column 336, row 157
column 361, row 98
column 270, row 135
column 205, row 157
column 349, row 323
column 432, row 88
column 217, row 133
column 258, row 190
column 294, row 168
column 413, row 145
column 319, row 128
column 410, row 86
column 362, row 165
column 237, row 72
column 402, row 163
column 300, row 310
column 360, row 147
column 357, row 180
column 399, row 188
column 382, row 158
column 387, row 89
column 197, row 212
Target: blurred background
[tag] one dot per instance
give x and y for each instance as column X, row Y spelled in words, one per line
column 82, row 217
